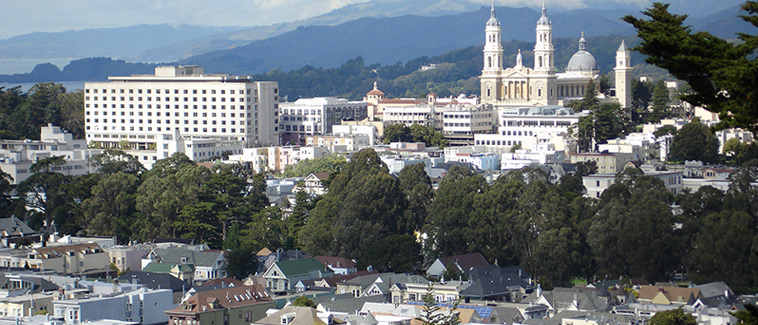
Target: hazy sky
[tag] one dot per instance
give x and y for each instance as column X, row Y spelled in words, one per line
column 25, row 16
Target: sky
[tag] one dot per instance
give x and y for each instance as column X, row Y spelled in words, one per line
column 19, row 17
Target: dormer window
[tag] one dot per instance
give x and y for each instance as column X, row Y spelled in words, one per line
column 183, row 260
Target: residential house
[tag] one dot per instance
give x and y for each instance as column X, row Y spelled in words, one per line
column 374, row 284
column 339, row 265
column 86, row 258
column 13, row 230
column 184, row 272
column 296, row 315
column 493, row 283
column 143, row 305
column 227, row 306
column 459, row 263
column 405, row 292
column 283, row 275
column 155, row 281
column 568, row 299
column 716, row 294
column 207, row 264
column 314, row 183
column 668, row 295
column 127, row 257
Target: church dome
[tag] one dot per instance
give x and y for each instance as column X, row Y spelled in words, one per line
column 543, row 19
column 582, row 60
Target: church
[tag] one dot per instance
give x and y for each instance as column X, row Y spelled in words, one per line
column 541, row 85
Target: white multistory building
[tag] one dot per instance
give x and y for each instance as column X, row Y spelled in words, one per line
column 17, row 156
column 530, row 126
column 316, row 116
column 141, row 113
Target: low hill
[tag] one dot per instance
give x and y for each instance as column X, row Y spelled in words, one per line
column 389, row 40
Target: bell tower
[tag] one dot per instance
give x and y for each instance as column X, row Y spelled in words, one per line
column 623, row 71
column 493, row 60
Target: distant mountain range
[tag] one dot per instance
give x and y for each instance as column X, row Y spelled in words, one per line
column 385, row 40
column 124, row 43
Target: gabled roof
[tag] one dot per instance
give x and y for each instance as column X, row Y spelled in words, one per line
column 321, row 176
column 300, row 266
column 154, row 280
column 586, row 299
column 223, row 298
column 15, row 227
column 334, row 280
column 336, row 262
column 167, row 268
column 300, row 316
column 673, row 294
column 714, row 289
column 493, row 286
column 264, row 252
column 465, row 262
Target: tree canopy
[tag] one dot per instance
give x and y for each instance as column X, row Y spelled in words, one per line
column 721, row 74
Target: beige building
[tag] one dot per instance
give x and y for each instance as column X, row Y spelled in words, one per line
column 68, row 259
column 541, row 85
column 606, row 162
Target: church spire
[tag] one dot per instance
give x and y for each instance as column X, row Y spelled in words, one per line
column 493, row 20
column 543, row 19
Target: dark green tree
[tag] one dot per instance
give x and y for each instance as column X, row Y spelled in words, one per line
column 417, row 187
column 398, row 253
column 110, row 208
column 448, row 218
column 695, row 141
column 721, row 73
column 397, row 133
column 661, row 101
column 241, row 262
column 112, row 161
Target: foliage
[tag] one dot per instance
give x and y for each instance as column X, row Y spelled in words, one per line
column 664, row 130
column 661, row 101
column 303, row 301
column 398, row 253
column 432, row 314
column 695, row 141
column 721, row 73
column 749, row 316
column 303, row 168
column 415, row 133
column 673, row 317
column 241, row 262
column 112, row 161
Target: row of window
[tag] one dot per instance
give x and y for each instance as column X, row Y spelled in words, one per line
column 167, row 99
column 186, row 114
column 159, row 129
column 497, row 142
column 167, row 91
column 140, row 106
column 194, row 122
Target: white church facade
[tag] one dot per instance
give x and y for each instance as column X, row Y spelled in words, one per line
column 541, row 85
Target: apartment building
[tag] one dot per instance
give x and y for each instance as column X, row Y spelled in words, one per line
column 315, row 116
column 152, row 116
column 529, row 126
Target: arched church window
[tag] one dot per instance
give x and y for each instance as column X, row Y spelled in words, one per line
column 539, row 92
column 540, row 61
column 489, row 62
column 488, row 92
